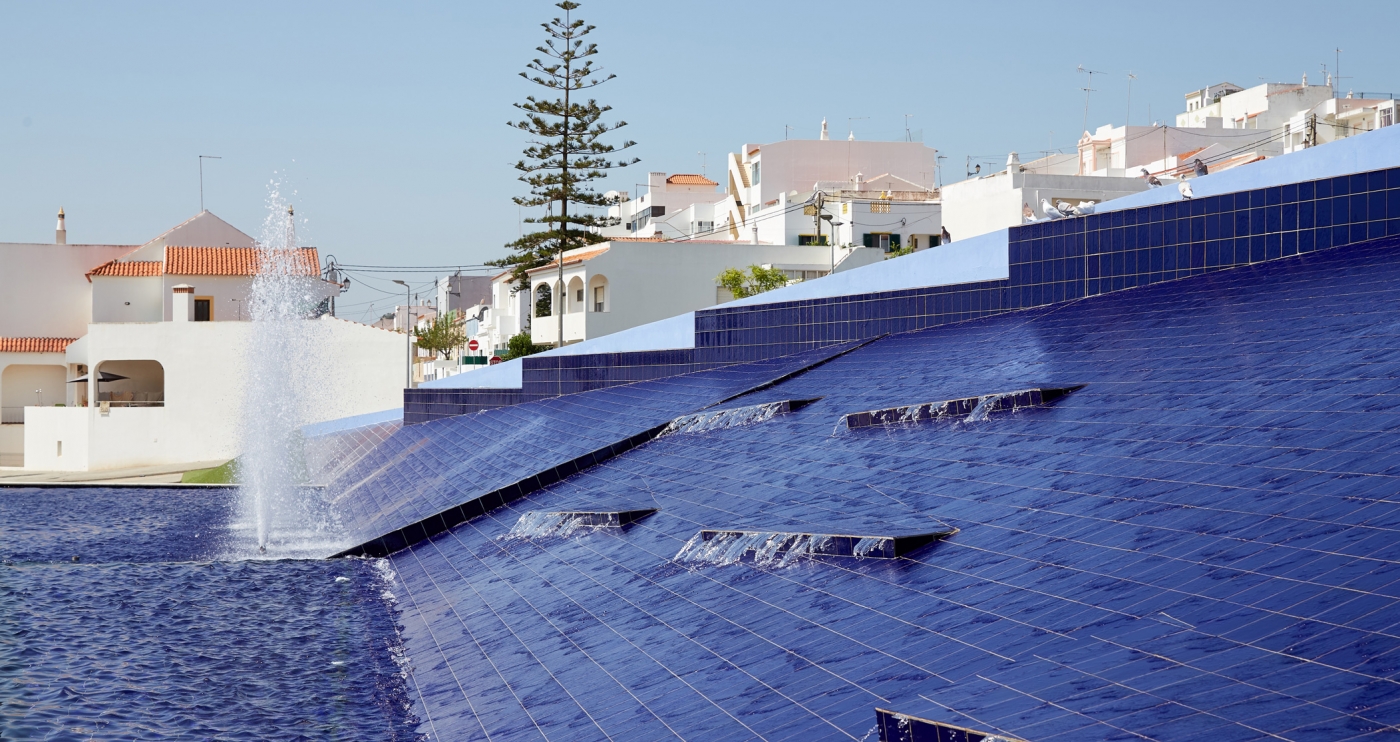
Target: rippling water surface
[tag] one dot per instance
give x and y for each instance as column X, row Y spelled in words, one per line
column 156, row 633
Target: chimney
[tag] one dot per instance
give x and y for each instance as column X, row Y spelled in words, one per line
column 60, row 234
column 825, row 134
column 1013, row 163
column 182, row 303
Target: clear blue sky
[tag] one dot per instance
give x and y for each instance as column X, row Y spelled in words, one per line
column 388, row 119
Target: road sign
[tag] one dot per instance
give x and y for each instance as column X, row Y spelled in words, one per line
column 494, row 360
column 473, row 345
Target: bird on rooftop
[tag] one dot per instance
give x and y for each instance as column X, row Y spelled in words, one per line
column 1083, row 208
column 1185, row 189
column 1200, row 168
column 1027, row 212
column 1063, row 206
column 1050, row 211
column 1150, row 178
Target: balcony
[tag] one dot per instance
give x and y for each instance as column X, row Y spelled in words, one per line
column 545, row 330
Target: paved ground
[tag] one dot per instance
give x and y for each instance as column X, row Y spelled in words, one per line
column 133, row 475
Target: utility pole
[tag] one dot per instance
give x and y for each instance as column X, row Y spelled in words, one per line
column 408, row 333
column 819, row 200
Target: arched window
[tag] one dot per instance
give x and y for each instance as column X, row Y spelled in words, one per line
column 597, row 297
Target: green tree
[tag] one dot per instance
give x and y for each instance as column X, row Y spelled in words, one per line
column 520, row 345
column 444, row 334
column 565, row 151
column 756, row 281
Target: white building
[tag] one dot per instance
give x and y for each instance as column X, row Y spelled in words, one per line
column 1002, row 199
column 1338, row 118
column 876, row 193
column 164, row 316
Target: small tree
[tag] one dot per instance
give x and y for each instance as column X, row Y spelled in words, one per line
column 756, row 281
column 565, row 151
column 443, row 335
column 520, row 345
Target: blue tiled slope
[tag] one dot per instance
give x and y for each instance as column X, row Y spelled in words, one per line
column 423, row 470
column 1199, row 544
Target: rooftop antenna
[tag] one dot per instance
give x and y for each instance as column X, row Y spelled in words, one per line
column 704, row 162
column 786, row 128
column 851, row 136
column 1087, row 90
column 1129, row 120
column 1337, row 74
column 202, row 158
column 907, row 137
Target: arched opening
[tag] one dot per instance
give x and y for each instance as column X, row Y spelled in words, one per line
column 598, row 299
column 576, row 298
column 29, row 385
column 543, row 300
column 142, row 383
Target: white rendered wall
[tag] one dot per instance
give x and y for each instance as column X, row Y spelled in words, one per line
column 353, row 369
column 982, row 205
column 126, row 299
column 44, row 291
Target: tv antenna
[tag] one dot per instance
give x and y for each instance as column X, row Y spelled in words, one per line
column 907, row 137
column 704, row 161
column 1087, row 90
column 202, row 158
column 1129, row 120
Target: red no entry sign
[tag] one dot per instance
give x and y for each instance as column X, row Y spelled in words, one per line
column 473, row 345
column 494, row 360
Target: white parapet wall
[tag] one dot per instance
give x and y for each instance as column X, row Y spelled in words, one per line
column 347, row 369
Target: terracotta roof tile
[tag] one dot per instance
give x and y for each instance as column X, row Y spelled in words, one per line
column 231, row 261
column 570, row 259
column 690, row 179
column 130, row 269
column 34, row 345
column 637, row 239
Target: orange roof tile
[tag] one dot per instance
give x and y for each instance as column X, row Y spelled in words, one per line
column 654, row 238
column 130, row 269
column 231, row 261
column 34, row 345
column 690, row 179
column 570, row 259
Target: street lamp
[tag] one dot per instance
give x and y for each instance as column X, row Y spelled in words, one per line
column 833, row 225
column 408, row 333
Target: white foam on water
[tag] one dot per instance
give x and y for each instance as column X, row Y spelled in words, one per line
column 984, row 408
column 541, row 524
column 865, row 546
column 702, row 422
column 768, row 549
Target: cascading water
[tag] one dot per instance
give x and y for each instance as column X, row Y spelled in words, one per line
column 281, row 348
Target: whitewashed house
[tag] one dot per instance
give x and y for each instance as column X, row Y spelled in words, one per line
column 170, row 318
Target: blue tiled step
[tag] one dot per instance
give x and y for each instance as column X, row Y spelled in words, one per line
column 969, row 408
column 723, row 547
column 896, row 727
column 563, row 523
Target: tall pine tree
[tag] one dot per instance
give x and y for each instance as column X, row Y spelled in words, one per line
column 565, row 152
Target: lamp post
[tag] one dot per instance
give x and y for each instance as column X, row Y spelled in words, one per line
column 408, row 333
column 834, row 225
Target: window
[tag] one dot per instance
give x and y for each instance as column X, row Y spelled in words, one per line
column 203, row 309
column 578, row 296
column 597, row 298
column 883, row 240
column 701, row 227
column 1387, row 116
column 753, row 174
column 810, row 239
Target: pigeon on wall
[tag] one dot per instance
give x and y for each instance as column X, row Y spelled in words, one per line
column 1185, row 189
column 1050, row 211
column 1083, row 208
column 1063, row 206
column 1150, row 178
column 1200, row 168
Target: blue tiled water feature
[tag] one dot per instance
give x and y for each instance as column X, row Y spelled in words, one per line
column 1199, row 543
